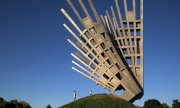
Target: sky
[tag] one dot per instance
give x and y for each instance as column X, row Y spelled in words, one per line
column 35, row 60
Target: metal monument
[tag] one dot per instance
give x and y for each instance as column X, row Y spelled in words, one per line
column 111, row 48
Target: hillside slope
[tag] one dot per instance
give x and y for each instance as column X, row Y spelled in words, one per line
column 99, row 101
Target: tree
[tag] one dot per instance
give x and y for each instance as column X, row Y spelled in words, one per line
column 164, row 105
column 20, row 105
column 1, row 100
column 25, row 104
column 10, row 105
column 152, row 103
column 13, row 104
column 48, row 106
column 15, row 101
column 137, row 106
column 176, row 103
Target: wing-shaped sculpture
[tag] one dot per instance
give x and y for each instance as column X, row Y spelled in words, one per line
column 111, row 54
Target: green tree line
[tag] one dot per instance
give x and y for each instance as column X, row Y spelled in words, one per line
column 150, row 103
column 154, row 103
column 13, row 104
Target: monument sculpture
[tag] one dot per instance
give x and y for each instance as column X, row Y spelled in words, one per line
column 111, row 48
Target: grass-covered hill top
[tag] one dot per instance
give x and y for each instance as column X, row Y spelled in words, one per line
column 99, row 101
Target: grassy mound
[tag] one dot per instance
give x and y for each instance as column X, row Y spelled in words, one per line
column 99, row 101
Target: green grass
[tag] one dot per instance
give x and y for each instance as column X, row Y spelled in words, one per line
column 99, row 101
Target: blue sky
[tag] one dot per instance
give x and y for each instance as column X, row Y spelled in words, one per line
column 35, row 61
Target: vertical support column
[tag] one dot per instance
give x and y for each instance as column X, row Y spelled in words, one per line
column 142, row 46
column 75, row 11
column 116, row 24
column 129, row 35
column 135, row 39
column 94, row 11
column 122, row 26
column 84, row 8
